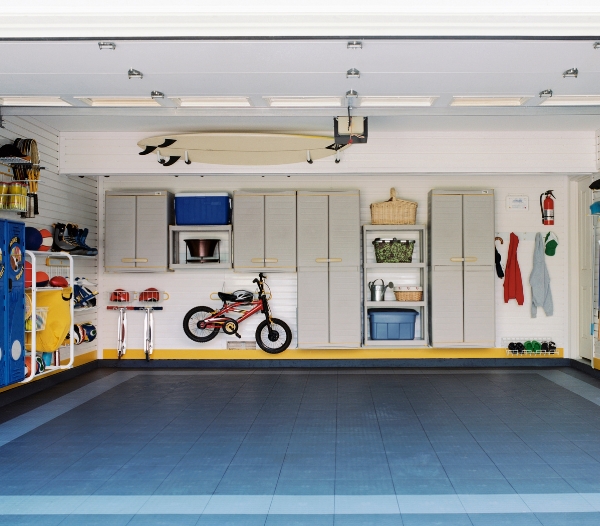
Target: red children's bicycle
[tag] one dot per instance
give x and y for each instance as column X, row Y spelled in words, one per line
column 202, row 324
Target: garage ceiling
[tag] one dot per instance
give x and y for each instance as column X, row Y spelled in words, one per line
column 441, row 68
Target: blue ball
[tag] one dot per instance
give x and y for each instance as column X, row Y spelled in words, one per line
column 33, row 238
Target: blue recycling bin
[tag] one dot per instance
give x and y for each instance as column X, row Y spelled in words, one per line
column 12, row 298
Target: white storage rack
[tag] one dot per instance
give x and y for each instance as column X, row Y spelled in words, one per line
column 33, row 256
column 402, row 274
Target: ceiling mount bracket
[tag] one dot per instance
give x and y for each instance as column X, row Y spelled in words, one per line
column 308, row 159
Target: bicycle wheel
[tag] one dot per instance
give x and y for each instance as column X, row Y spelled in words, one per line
column 279, row 339
column 192, row 321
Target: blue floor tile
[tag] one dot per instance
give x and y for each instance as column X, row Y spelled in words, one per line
column 164, row 520
column 504, row 519
column 232, row 520
column 436, row 520
column 367, row 520
column 299, row 520
column 570, row 519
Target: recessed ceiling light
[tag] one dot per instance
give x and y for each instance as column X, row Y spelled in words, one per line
column 123, row 102
column 135, row 74
column 106, row 45
column 354, row 44
column 489, row 101
column 307, row 102
column 33, row 101
column 400, row 101
column 353, row 74
column 212, row 102
column 571, row 72
column 572, row 100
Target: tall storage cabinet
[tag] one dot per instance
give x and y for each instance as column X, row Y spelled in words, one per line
column 136, row 234
column 264, row 231
column 329, row 269
column 12, row 298
column 461, row 245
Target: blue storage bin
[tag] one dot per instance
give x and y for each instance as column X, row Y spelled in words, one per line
column 203, row 209
column 392, row 324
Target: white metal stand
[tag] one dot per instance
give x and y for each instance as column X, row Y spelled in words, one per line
column 33, row 255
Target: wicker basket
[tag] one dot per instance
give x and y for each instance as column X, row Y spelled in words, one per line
column 408, row 295
column 394, row 212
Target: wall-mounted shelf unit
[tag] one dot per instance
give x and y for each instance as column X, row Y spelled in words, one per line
column 401, row 274
column 178, row 254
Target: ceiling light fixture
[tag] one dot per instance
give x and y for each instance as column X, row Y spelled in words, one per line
column 488, row 101
column 212, row 102
column 596, row 45
column 351, row 93
column 304, row 102
column 157, row 94
column 353, row 73
column 134, row 74
column 107, row 45
column 32, row 101
column 572, row 100
column 545, row 93
column 119, row 102
column 396, row 101
column 354, row 44
column 571, row 72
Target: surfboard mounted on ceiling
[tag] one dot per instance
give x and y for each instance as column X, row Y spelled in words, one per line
column 240, row 148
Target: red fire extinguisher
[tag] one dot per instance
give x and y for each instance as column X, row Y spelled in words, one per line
column 547, row 207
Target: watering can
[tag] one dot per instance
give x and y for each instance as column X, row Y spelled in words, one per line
column 378, row 291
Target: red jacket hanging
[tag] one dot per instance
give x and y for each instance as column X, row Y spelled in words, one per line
column 513, row 284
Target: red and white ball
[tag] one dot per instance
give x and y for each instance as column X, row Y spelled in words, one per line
column 46, row 240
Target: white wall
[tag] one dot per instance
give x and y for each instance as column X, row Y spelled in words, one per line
column 60, row 200
column 397, row 152
column 190, row 288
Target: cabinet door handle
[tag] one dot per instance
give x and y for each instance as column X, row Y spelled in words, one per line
column 264, row 260
column 457, row 260
column 471, row 259
column 134, row 260
column 328, row 260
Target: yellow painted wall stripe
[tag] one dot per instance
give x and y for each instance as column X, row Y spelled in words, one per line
column 320, row 354
column 596, row 363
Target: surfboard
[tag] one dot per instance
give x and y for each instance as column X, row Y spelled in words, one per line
column 239, row 148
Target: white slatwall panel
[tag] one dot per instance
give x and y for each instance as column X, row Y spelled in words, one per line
column 190, row 288
column 60, row 200
column 386, row 152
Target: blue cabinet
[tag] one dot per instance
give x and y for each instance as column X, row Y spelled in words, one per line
column 12, row 299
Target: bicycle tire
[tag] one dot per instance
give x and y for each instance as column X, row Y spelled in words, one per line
column 267, row 345
column 188, row 331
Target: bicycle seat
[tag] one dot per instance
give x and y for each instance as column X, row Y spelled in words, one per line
column 226, row 297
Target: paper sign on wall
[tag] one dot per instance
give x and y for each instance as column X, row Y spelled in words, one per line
column 518, row 203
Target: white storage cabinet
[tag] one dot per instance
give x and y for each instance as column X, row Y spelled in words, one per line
column 329, row 269
column 462, row 268
column 264, row 231
column 136, row 236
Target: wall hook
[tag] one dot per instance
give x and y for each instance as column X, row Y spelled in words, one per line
column 186, row 159
column 308, row 159
column 337, row 157
column 497, row 238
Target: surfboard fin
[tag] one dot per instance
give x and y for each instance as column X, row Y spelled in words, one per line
column 167, row 143
column 149, row 149
column 172, row 160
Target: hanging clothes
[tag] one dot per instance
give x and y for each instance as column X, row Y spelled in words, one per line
column 541, row 295
column 513, row 283
column 499, row 270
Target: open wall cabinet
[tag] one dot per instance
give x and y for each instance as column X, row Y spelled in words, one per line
column 328, row 269
column 413, row 274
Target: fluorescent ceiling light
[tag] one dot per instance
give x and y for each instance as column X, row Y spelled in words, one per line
column 212, row 102
column 572, row 100
column 304, row 102
column 123, row 102
column 396, row 101
column 489, row 101
column 33, row 101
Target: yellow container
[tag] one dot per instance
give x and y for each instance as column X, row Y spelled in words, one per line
column 3, row 195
